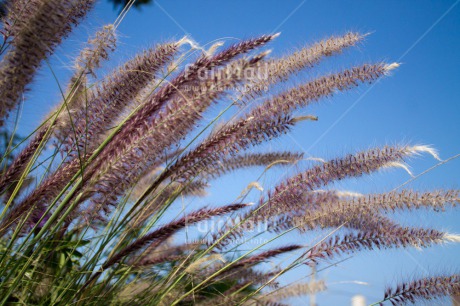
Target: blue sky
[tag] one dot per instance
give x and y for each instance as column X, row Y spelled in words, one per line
column 418, row 103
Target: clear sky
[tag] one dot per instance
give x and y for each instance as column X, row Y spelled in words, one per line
column 419, row 103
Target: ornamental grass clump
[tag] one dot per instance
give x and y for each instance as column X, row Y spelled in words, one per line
column 99, row 225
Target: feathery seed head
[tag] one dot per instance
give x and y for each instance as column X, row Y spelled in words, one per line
column 212, row 50
column 420, row 290
column 451, row 238
column 90, row 58
column 395, row 164
column 392, row 66
column 417, row 149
